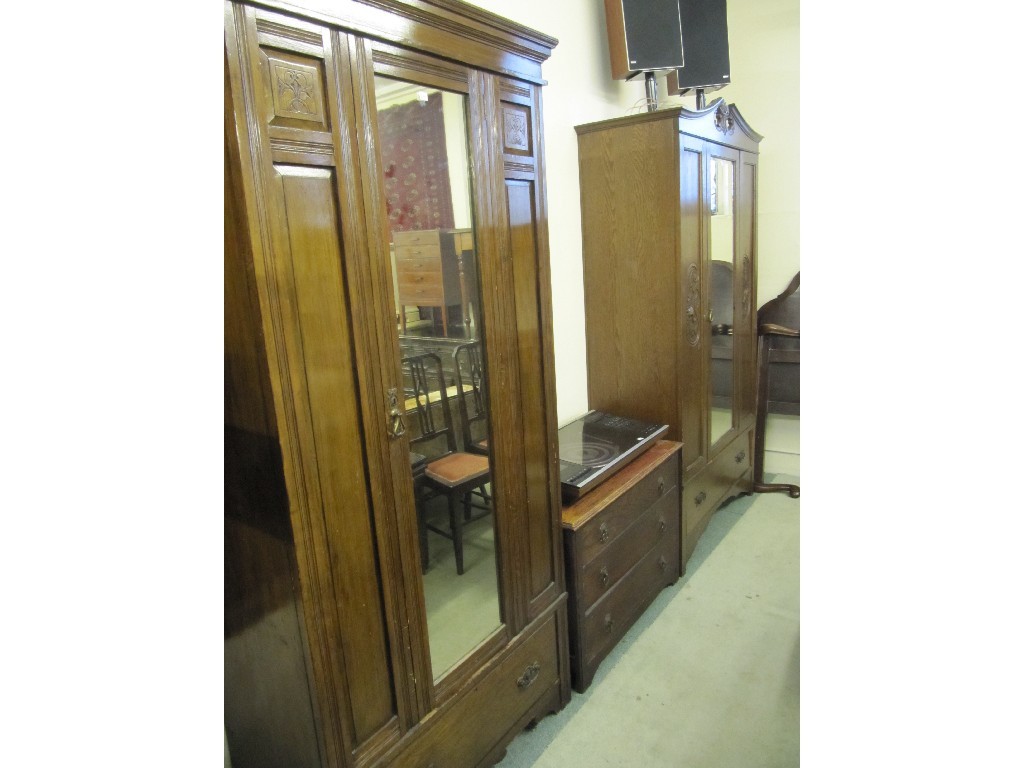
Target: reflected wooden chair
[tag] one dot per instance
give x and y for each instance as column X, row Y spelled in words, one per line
column 472, row 400
column 778, row 373
column 448, row 471
column 471, row 397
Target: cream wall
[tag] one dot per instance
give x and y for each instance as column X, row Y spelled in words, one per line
column 764, row 57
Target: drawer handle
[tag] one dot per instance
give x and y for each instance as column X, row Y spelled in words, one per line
column 740, row 456
column 609, row 622
column 604, row 576
column 661, row 485
column 662, row 525
column 418, row 279
column 700, row 498
column 604, row 532
column 529, row 675
column 663, row 563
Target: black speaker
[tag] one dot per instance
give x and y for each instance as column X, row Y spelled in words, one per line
column 705, row 44
column 643, row 35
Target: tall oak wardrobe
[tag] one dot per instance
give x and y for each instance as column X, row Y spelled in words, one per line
column 669, row 210
column 338, row 650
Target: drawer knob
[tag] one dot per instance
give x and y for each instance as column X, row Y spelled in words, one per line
column 662, row 525
column 609, row 622
column 603, row 530
column 740, row 456
column 529, row 675
column 603, row 573
column 700, row 498
column 661, row 485
column 663, row 563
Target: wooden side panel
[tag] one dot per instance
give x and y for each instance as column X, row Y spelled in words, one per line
column 521, row 213
column 325, row 366
column 628, row 189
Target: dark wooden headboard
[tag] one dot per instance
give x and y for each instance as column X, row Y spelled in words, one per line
column 783, row 349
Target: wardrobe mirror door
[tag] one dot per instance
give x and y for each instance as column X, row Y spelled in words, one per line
column 424, row 147
column 721, row 203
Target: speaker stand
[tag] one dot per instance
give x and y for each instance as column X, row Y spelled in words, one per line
column 651, row 84
column 700, row 99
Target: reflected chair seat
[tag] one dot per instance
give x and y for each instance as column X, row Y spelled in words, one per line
column 458, row 469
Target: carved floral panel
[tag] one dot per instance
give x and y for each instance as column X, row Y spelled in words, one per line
column 517, row 129
column 295, row 89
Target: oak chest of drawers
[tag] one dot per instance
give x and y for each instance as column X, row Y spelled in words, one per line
column 623, row 545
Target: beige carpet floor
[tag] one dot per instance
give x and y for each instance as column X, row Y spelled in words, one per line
column 710, row 675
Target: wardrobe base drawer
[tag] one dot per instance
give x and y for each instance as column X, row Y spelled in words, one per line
column 525, row 684
column 728, row 474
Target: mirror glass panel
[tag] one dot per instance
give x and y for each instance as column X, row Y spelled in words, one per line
column 425, row 152
column 722, row 195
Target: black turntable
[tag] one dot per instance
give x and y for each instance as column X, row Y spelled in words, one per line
column 597, row 444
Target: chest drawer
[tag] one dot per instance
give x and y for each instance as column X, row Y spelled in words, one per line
column 608, row 524
column 417, row 237
column 404, row 254
column 609, row 619
column 419, row 286
column 601, row 574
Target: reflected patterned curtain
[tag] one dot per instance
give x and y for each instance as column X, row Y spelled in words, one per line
column 416, row 184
